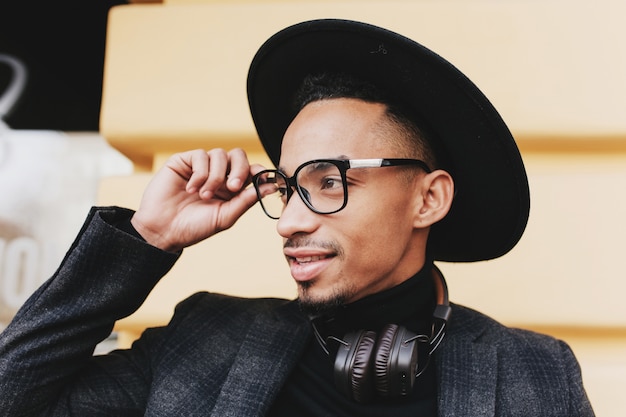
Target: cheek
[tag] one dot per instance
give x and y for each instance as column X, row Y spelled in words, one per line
column 378, row 237
column 389, row 214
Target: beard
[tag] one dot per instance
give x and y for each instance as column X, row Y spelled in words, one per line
column 318, row 307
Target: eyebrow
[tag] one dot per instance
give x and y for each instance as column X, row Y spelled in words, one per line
column 340, row 157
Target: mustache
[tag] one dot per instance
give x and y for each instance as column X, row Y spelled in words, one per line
column 305, row 241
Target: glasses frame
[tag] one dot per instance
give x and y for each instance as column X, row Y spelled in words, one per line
column 343, row 165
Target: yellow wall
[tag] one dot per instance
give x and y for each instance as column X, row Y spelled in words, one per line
column 175, row 79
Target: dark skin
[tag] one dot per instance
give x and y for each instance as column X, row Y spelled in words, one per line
column 375, row 243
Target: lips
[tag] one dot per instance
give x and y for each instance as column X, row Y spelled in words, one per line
column 306, row 265
column 309, row 259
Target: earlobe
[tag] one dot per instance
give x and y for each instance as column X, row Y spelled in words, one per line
column 435, row 199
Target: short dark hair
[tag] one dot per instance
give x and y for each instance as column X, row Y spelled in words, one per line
column 325, row 86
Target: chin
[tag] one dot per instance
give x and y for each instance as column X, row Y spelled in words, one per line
column 318, row 303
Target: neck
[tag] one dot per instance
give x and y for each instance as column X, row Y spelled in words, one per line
column 410, row 304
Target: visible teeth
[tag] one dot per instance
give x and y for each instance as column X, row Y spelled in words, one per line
column 310, row 259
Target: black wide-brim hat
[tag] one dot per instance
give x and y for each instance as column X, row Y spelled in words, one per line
column 490, row 209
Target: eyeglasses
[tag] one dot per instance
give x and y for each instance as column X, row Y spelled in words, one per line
column 321, row 183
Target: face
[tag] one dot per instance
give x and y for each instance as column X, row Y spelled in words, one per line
column 370, row 245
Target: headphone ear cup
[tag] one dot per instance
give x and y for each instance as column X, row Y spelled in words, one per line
column 381, row 362
column 396, row 361
column 353, row 374
column 362, row 373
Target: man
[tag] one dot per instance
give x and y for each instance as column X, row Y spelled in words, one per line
column 390, row 160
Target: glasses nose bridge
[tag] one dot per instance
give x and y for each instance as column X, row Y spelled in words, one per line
column 292, row 186
column 303, row 193
column 301, row 200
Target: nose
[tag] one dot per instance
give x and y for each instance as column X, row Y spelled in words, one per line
column 296, row 218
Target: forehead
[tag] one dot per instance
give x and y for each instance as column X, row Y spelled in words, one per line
column 332, row 128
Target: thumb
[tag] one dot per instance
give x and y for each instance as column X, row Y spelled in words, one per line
column 236, row 207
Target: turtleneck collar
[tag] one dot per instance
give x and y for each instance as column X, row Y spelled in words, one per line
column 410, row 304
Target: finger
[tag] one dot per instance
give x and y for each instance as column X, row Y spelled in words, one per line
column 239, row 173
column 217, row 173
column 237, row 207
column 197, row 163
column 256, row 168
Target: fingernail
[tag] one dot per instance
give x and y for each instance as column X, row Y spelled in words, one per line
column 234, row 183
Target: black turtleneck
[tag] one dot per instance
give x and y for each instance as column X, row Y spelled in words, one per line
column 310, row 392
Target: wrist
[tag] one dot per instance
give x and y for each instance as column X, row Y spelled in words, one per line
column 150, row 235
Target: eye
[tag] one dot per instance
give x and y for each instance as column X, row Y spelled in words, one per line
column 330, row 183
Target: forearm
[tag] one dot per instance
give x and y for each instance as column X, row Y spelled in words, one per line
column 106, row 275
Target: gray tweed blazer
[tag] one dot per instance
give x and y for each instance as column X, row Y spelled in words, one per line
column 226, row 356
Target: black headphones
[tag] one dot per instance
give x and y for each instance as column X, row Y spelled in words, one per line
column 387, row 363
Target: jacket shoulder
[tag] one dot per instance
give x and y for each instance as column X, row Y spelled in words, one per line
column 535, row 372
column 482, row 328
column 207, row 303
column 224, row 317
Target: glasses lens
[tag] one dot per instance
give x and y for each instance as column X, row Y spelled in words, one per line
column 272, row 188
column 322, row 185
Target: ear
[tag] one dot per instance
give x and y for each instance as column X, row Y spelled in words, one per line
column 435, row 198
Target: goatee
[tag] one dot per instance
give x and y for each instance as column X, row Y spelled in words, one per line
column 319, row 308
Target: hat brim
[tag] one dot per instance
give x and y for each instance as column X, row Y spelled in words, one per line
column 490, row 209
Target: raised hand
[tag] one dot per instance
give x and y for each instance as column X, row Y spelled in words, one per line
column 194, row 196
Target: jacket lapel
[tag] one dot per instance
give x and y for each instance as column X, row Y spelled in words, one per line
column 467, row 370
column 265, row 358
column 466, row 366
